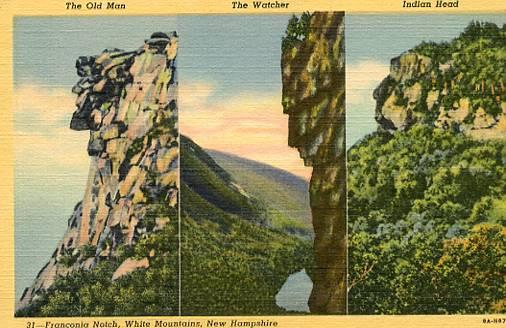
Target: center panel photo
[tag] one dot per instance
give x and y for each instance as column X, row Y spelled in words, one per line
column 262, row 102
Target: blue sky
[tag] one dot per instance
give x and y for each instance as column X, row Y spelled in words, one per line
column 222, row 49
column 230, row 85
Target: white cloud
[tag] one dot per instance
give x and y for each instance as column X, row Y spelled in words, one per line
column 362, row 78
column 194, row 94
column 251, row 125
column 45, row 107
column 43, row 141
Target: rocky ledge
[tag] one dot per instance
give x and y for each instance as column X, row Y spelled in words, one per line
column 419, row 89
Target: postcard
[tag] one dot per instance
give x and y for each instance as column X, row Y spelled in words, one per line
column 253, row 164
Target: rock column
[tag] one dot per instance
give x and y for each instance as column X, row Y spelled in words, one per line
column 313, row 75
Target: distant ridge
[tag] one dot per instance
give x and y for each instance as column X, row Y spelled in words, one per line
column 284, row 194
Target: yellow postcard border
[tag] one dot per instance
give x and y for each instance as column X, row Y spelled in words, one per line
column 11, row 8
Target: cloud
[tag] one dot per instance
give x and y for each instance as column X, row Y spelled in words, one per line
column 251, row 125
column 43, row 141
column 194, row 94
column 39, row 107
column 362, row 78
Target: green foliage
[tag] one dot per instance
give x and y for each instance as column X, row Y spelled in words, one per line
column 231, row 263
column 238, row 271
column 296, row 31
column 280, row 221
column 471, row 271
column 151, row 291
column 476, row 67
column 497, row 211
column 426, row 220
column 68, row 258
column 87, row 251
column 427, row 206
column 427, row 274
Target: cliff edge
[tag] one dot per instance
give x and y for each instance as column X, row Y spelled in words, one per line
column 457, row 85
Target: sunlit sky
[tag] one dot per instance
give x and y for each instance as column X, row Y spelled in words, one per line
column 229, row 98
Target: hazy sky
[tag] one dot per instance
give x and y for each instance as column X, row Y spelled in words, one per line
column 230, row 93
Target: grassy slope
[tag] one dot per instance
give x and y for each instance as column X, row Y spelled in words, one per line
column 284, row 196
column 235, row 263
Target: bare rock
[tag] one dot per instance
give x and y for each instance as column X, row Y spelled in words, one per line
column 313, row 97
column 122, row 98
column 130, row 265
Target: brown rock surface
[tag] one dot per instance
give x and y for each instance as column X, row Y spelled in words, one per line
column 313, row 76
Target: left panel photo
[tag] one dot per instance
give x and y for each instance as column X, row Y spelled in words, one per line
column 118, row 252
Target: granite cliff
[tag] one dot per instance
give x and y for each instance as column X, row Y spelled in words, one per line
column 313, row 76
column 457, row 85
column 128, row 102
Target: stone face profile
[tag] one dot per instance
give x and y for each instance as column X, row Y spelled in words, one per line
column 313, row 76
column 128, row 102
column 411, row 94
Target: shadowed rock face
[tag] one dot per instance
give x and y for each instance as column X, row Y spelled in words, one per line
column 410, row 95
column 395, row 108
column 313, row 75
column 128, row 102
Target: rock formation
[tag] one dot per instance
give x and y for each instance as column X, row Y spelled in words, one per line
column 128, row 102
column 419, row 89
column 313, row 76
column 422, row 186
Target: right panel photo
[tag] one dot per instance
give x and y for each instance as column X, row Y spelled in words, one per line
column 426, row 137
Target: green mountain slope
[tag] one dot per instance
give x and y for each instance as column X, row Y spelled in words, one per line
column 233, row 261
column 205, row 177
column 284, row 196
